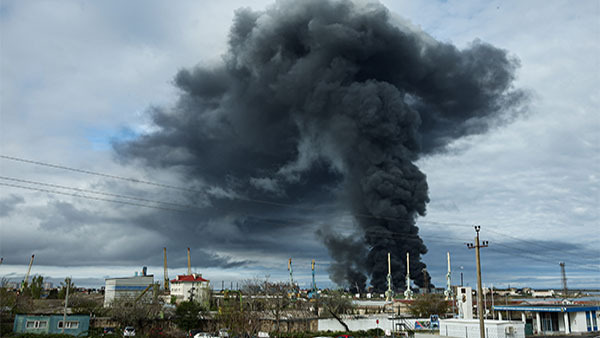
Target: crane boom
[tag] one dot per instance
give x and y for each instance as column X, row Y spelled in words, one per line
column 137, row 299
column 25, row 280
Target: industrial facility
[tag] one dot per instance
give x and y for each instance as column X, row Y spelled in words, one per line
column 127, row 287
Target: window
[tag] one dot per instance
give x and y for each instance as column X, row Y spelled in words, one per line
column 71, row 324
column 36, row 324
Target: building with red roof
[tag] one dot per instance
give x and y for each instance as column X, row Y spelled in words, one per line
column 190, row 287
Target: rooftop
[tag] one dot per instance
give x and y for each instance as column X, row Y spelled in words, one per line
column 189, row 278
column 548, row 308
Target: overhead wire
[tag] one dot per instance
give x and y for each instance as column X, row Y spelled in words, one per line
column 176, row 207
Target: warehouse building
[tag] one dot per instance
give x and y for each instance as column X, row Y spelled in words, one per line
column 127, row 287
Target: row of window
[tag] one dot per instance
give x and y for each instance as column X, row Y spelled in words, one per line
column 42, row 324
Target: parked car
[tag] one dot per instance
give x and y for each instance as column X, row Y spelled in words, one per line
column 129, row 331
column 108, row 330
column 192, row 333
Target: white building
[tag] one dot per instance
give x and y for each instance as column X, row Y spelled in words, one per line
column 464, row 302
column 543, row 294
column 130, row 287
column 191, row 287
column 469, row 328
column 551, row 319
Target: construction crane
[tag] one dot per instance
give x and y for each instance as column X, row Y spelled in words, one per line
column 292, row 293
column 25, row 280
column 137, row 299
column 290, row 270
column 564, row 280
column 313, row 293
column 166, row 271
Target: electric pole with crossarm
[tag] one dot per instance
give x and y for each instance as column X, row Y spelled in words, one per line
column 477, row 246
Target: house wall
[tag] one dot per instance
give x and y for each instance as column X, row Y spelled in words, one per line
column 182, row 291
column 579, row 322
column 366, row 323
column 20, row 324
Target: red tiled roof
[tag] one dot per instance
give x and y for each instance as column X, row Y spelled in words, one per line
column 189, row 278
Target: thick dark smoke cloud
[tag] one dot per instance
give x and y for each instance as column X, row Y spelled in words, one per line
column 320, row 99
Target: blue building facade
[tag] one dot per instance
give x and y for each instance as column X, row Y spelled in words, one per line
column 76, row 325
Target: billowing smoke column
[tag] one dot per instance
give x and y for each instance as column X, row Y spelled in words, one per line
column 330, row 93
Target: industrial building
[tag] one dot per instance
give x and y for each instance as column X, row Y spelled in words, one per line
column 127, row 287
column 558, row 318
column 191, row 287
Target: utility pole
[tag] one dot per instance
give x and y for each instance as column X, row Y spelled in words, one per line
column 492, row 294
column 477, row 246
column 166, row 273
column 68, row 282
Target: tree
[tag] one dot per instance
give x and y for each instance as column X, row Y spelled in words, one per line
column 7, row 297
column 336, row 303
column 63, row 288
column 428, row 304
column 83, row 304
column 277, row 300
column 37, row 286
column 129, row 311
column 188, row 315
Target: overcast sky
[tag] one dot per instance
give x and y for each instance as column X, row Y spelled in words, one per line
column 78, row 76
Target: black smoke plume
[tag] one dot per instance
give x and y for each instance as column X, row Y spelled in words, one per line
column 330, row 97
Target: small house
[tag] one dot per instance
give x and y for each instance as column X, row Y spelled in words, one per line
column 76, row 325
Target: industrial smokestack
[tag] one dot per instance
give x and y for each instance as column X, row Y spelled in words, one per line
column 189, row 262
column 323, row 99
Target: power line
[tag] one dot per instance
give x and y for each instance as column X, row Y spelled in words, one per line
column 443, row 240
column 135, row 180
column 167, row 186
column 96, row 192
column 182, row 207
column 88, row 197
column 537, row 243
